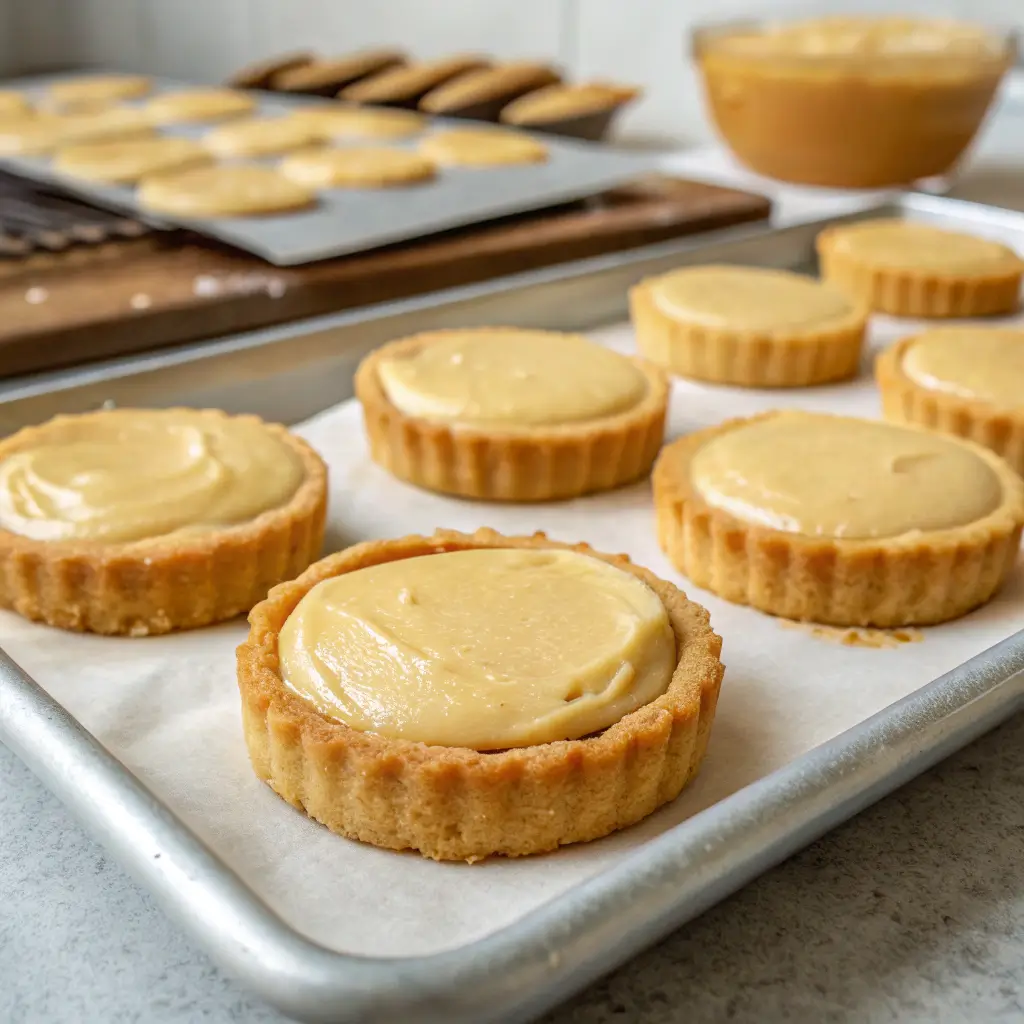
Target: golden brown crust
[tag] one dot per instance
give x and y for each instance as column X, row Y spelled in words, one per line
column 452, row 803
column 177, row 582
column 746, row 358
column 542, row 464
column 260, row 74
column 410, row 81
column 907, row 291
column 905, row 401
column 912, row 580
column 561, row 102
column 329, row 75
column 484, row 85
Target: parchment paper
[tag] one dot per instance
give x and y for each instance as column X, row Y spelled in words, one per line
column 168, row 706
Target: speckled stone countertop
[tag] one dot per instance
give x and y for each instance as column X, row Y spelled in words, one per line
column 913, row 912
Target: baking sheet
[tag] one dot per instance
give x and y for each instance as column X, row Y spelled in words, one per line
column 168, row 708
column 353, row 220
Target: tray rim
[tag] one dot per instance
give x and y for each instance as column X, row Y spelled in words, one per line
column 554, row 950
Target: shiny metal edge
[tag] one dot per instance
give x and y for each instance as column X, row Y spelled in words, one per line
column 554, row 951
column 531, row 965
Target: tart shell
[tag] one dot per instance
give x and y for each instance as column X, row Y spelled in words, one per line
column 905, row 401
column 539, row 464
column 453, row 803
column 162, row 584
column 906, row 291
column 917, row 579
column 746, row 358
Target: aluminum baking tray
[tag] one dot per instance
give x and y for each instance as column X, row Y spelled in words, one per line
column 352, row 220
column 559, row 946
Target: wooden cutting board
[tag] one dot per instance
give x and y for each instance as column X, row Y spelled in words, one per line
column 69, row 308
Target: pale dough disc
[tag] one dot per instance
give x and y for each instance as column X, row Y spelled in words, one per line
column 224, row 191
column 482, row 147
column 29, row 136
column 96, row 90
column 191, row 105
column 260, row 137
column 366, row 167
column 13, row 104
column 125, row 161
column 359, row 123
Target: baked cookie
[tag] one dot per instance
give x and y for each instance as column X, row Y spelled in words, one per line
column 193, row 106
column 14, row 104
column 967, row 381
column 910, row 269
column 357, row 167
column 126, row 161
column 261, row 74
column 838, row 520
column 325, row 77
column 405, row 84
column 566, row 102
column 264, row 136
column 748, row 326
column 227, row 191
column 96, row 91
column 481, row 94
column 538, row 694
column 334, row 121
column 508, row 415
column 140, row 521
column 40, row 135
column 482, row 147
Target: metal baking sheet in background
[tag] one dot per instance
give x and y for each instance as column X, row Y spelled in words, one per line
column 354, row 220
column 669, row 875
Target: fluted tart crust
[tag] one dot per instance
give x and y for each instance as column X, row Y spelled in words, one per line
column 906, row 401
column 542, row 463
column 453, row 803
column 916, row 579
column 180, row 581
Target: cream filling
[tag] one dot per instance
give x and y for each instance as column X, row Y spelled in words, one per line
column 485, row 649
column 511, row 380
column 983, row 364
column 834, row 476
column 138, row 474
column 902, row 244
column 748, row 298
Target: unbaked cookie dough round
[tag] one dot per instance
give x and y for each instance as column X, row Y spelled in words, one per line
column 96, row 90
column 363, row 167
column 197, row 105
column 338, row 122
column 223, row 191
column 264, row 136
column 36, row 136
column 125, row 161
column 482, row 147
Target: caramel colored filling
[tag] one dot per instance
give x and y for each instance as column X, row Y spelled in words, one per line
column 834, row 476
column 510, row 380
column 486, row 649
column 981, row 364
column 748, row 298
column 140, row 474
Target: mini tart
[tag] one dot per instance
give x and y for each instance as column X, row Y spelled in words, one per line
column 910, row 269
column 920, row 578
column 482, row 93
column 787, row 353
column 542, row 463
column 904, row 400
column 260, row 74
column 325, row 77
column 157, row 585
column 556, row 103
column 454, row 803
column 406, row 84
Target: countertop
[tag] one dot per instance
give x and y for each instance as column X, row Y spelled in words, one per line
column 912, row 912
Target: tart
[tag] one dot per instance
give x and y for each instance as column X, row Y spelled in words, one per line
column 482, row 147
column 240, row 190
column 358, row 167
column 910, row 269
column 406, row 84
column 125, row 161
column 967, row 381
column 748, row 326
column 555, row 107
column 261, row 74
column 837, row 520
column 558, row 694
column 195, row 106
column 482, row 93
column 141, row 521
column 850, row 102
column 326, row 77
column 508, row 415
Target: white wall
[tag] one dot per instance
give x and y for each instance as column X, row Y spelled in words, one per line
column 640, row 41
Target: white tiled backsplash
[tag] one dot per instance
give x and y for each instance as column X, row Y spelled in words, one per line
column 637, row 41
